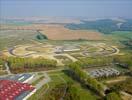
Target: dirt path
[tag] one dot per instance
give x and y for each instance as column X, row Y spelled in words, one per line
column 119, row 79
column 67, row 55
column 126, row 96
column 116, row 50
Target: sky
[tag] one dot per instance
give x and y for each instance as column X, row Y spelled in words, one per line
column 66, row 8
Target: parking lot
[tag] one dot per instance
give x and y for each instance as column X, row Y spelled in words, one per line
column 104, row 72
column 18, row 77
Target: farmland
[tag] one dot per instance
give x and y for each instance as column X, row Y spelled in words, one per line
column 58, row 32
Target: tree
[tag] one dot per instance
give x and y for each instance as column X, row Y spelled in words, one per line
column 72, row 93
column 113, row 96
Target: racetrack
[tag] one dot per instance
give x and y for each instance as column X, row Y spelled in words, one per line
column 49, row 51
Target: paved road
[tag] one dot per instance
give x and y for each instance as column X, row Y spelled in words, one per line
column 36, row 76
column 42, row 82
column 46, row 71
column 7, row 68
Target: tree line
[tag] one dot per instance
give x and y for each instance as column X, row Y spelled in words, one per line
column 106, row 26
column 18, row 64
column 122, row 60
column 85, row 79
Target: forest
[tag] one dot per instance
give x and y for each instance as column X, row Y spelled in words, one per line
column 105, row 26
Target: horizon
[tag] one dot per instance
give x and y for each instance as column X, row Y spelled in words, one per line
column 73, row 9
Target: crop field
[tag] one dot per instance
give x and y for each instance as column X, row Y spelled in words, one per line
column 59, row 32
column 55, row 32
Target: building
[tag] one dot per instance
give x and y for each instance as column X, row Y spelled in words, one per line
column 24, row 78
column 10, row 89
column 70, row 48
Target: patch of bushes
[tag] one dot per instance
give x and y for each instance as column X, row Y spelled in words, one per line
column 113, row 96
column 41, row 37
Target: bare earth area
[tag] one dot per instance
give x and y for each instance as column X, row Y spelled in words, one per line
column 59, row 32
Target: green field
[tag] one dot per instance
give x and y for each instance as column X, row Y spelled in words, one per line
column 10, row 38
column 122, row 35
column 58, row 78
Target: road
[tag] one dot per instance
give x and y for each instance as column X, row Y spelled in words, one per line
column 7, row 68
column 42, row 82
column 67, row 55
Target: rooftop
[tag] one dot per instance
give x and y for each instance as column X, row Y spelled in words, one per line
column 10, row 89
